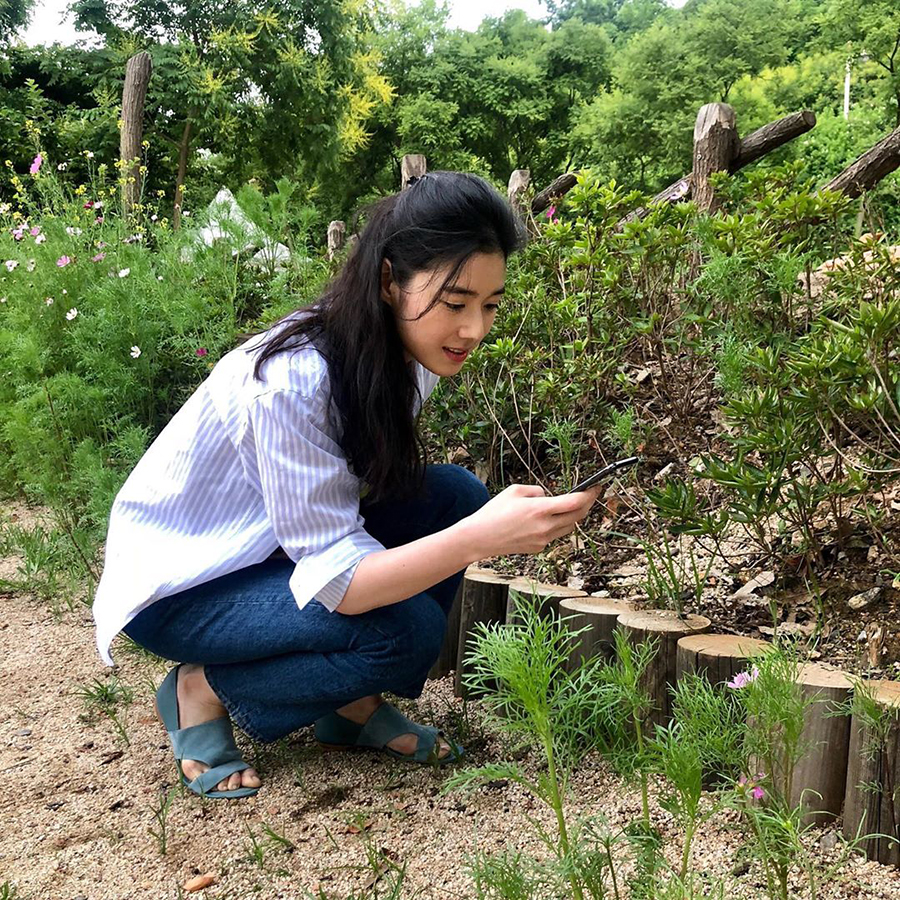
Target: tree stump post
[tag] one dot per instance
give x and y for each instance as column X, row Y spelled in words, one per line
column 446, row 662
column 715, row 146
column 874, row 762
column 717, row 656
column 665, row 628
column 519, row 182
column 546, row 596
column 601, row 616
column 560, row 185
column 484, row 599
column 134, row 95
column 820, row 778
column 413, row 165
column 336, row 233
column 875, row 164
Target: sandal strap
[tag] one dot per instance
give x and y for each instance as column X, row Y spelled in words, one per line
column 210, row 742
column 387, row 723
column 206, row 781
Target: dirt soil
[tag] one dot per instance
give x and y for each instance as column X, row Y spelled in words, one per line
column 78, row 802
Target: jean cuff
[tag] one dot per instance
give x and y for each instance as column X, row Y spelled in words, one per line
column 238, row 716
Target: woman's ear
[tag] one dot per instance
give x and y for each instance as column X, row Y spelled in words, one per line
column 387, row 282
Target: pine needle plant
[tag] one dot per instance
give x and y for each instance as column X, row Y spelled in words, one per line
column 519, row 670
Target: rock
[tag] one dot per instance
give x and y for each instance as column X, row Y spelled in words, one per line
column 23, row 732
column 762, row 580
column 664, row 473
column 828, row 841
column 865, row 599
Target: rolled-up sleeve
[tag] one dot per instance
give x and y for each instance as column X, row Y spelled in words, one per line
column 310, row 495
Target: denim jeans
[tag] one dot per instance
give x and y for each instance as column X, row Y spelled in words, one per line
column 277, row 668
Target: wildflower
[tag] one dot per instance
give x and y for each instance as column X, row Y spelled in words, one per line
column 30, row 266
column 36, row 165
column 2, row 299
column 11, row 264
column 88, row 204
column 49, row 301
column 40, row 239
column 135, row 351
column 71, row 313
column 98, row 204
column 202, row 351
column 89, row 154
column 98, row 258
column 756, row 792
column 551, row 212
column 62, row 167
column 154, row 217
column 65, row 291
column 98, row 220
column 742, row 679
column 63, row 261
column 187, row 213
column 4, row 208
column 34, row 232
column 123, row 273
column 159, row 278
column 72, row 231
column 19, row 232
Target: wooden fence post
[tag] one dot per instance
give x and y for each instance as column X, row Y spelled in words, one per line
column 336, row 232
column 134, row 94
column 413, row 165
column 715, row 146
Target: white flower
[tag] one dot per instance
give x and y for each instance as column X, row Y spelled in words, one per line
column 65, row 291
column 89, row 154
column 30, row 265
column 49, row 301
column 98, row 204
column 187, row 213
column 71, row 230
column 159, row 278
column 123, row 273
column 71, row 313
column 11, row 264
column 2, row 299
column 5, row 208
column 135, row 351
column 154, row 217
column 40, row 239
column 62, row 167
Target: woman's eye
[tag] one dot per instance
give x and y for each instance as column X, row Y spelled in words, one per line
column 456, row 307
column 492, row 307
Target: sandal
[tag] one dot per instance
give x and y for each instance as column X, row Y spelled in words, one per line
column 210, row 742
column 334, row 732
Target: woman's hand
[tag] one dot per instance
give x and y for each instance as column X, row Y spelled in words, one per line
column 522, row 519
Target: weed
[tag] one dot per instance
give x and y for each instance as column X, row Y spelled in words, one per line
column 8, row 891
column 105, row 698
column 161, row 815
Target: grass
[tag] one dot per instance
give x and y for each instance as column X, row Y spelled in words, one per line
column 105, row 698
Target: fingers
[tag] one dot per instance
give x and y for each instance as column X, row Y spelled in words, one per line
column 526, row 490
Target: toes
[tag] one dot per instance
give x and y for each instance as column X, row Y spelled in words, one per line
column 250, row 779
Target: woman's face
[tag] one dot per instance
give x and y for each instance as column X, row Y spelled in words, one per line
column 443, row 337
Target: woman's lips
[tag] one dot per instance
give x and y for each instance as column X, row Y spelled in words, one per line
column 456, row 355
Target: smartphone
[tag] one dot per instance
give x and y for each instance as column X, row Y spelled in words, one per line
column 605, row 472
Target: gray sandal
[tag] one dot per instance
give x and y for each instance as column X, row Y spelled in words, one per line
column 334, row 732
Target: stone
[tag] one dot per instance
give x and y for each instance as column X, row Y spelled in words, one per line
column 865, row 599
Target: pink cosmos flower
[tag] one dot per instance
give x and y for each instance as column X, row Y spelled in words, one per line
column 551, row 215
column 34, row 232
column 88, row 204
column 36, row 165
column 742, row 679
column 18, row 233
column 63, row 261
column 202, row 351
column 98, row 258
column 756, row 792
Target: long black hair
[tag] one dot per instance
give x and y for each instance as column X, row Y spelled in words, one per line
column 441, row 219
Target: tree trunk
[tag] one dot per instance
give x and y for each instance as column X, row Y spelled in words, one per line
column 560, row 185
column 601, row 617
column 820, row 778
column 413, row 165
column 446, row 662
column 665, row 628
column 134, row 95
column 336, row 232
column 184, row 147
column 869, row 169
column 715, row 146
column 546, row 596
column 872, row 801
column 484, row 600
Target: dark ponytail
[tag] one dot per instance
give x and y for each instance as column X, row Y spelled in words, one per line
column 443, row 218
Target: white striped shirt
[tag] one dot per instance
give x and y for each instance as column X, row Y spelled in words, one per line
column 245, row 466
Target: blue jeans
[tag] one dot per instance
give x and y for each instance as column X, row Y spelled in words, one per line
column 277, row 668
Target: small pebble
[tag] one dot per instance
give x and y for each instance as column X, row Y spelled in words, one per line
column 23, row 732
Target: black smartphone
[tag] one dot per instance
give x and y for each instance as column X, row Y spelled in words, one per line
column 605, row 472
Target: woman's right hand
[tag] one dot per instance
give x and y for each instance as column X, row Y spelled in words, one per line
column 523, row 519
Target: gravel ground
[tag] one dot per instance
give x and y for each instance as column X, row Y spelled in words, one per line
column 78, row 802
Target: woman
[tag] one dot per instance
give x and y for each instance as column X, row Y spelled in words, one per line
column 304, row 440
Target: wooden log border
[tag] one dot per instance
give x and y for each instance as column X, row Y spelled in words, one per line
column 835, row 776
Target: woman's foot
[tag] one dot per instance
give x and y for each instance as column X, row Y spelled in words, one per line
column 198, row 703
column 359, row 712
